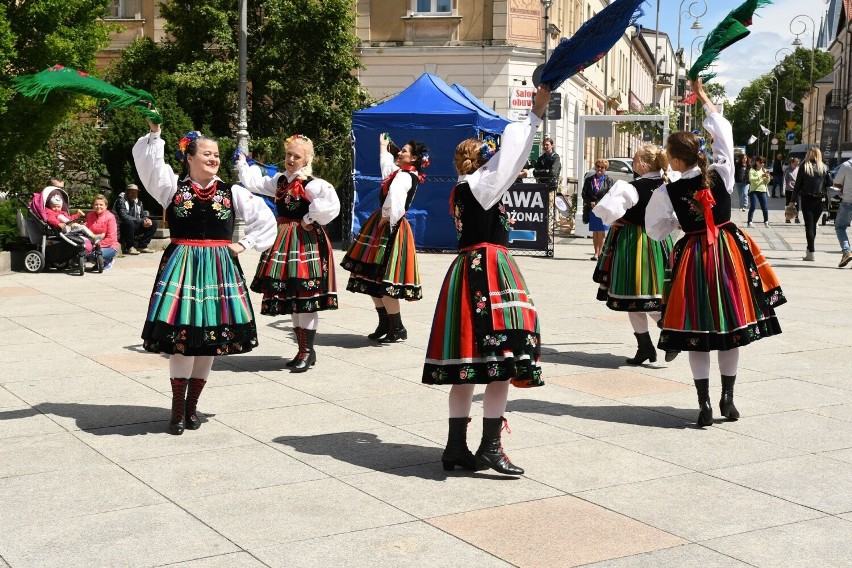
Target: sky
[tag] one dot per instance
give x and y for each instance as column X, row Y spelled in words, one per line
column 751, row 57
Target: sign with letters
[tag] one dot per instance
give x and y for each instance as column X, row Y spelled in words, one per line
column 528, row 207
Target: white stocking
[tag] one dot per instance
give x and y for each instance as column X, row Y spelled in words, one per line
column 729, row 361
column 494, row 403
column 201, row 367
column 461, row 397
column 639, row 321
column 307, row 321
column 699, row 362
column 180, row 366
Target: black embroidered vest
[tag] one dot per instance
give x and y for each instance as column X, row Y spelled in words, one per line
column 474, row 224
column 415, row 182
column 645, row 188
column 192, row 218
column 289, row 205
column 690, row 213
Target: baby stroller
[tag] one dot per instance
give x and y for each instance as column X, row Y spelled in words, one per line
column 832, row 205
column 54, row 248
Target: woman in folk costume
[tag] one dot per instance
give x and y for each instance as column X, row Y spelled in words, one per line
column 296, row 275
column 485, row 329
column 723, row 292
column 633, row 267
column 382, row 260
column 200, row 305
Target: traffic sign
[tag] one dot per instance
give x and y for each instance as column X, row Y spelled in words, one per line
column 791, row 136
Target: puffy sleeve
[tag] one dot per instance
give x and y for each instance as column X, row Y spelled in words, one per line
column 612, row 206
column 261, row 228
column 723, row 147
column 386, row 164
column 394, row 205
column 253, row 179
column 660, row 218
column 324, row 203
column 491, row 181
column 158, row 177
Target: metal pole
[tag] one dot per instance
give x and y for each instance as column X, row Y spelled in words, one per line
column 656, row 49
column 242, row 121
column 546, row 4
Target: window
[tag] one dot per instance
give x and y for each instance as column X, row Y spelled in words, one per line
column 434, row 6
column 122, row 9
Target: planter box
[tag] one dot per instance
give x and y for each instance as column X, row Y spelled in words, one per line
column 5, row 262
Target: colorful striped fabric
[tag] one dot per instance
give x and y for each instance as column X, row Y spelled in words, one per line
column 632, row 270
column 294, row 275
column 485, row 327
column 720, row 297
column 383, row 262
column 200, row 304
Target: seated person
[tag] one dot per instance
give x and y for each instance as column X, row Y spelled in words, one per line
column 134, row 227
column 55, row 216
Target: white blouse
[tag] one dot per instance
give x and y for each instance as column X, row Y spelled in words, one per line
column 660, row 218
column 324, row 207
column 161, row 183
column 490, row 182
column 394, row 205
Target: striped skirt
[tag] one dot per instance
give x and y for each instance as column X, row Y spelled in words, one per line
column 719, row 297
column 383, row 262
column 294, row 274
column 485, row 327
column 632, row 270
column 200, row 304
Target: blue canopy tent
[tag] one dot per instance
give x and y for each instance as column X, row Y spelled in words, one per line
column 431, row 111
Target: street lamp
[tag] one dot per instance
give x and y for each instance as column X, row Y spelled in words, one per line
column 546, row 4
column 777, row 96
column 242, row 120
column 800, row 21
column 696, row 25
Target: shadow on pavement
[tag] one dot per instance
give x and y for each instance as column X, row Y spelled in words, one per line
column 102, row 419
column 652, row 416
column 367, row 450
column 596, row 360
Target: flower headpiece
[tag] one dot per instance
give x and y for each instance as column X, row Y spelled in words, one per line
column 424, row 161
column 184, row 143
column 295, row 137
column 702, row 143
column 489, row 147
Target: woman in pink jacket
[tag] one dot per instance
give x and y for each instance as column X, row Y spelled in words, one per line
column 101, row 220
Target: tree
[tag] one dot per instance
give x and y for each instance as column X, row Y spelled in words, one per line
column 299, row 72
column 793, row 75
column 34, row 36
column 640, row 127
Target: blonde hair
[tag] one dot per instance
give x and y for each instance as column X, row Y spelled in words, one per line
column 468, row 156
column 652, row 157
column 602, row 162
column 308, row 146
column 101, row 196
column 813, row 162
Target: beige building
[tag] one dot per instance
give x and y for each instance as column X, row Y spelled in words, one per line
column 493, row 47
column 136, row 18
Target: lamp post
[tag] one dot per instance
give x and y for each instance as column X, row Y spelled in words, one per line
column 692, row 49
column 777, row 96
column 800, row 21
column 696, row 25
column 546, row 4
column 769, row 118
column 242, row 119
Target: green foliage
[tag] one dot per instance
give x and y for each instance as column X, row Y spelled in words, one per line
column 299, row 74
column 8, row 223
column 33, row 36
column 638, row 128
column 72, row 154
column 793, row 76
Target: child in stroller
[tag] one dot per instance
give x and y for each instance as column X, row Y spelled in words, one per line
column 55, row 246
column 56, row 217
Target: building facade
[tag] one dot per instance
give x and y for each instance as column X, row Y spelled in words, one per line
column 492, row 47
column 136, row 18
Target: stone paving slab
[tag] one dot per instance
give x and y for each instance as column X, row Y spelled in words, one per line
column 341, row 465
column 411, row 545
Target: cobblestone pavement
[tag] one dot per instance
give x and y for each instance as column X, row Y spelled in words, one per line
column 340, row 466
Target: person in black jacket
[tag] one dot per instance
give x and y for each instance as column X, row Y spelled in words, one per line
column 134, row 227
column 812, row 182
column 777, row 176
column 741, row 167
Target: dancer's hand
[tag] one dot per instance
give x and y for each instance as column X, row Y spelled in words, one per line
column 542, row 99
